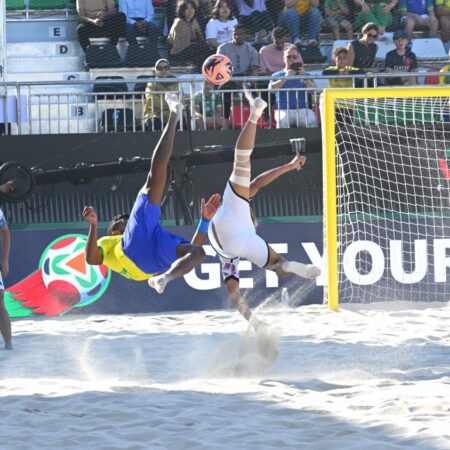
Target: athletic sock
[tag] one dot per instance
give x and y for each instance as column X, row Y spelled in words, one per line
column 158, row 283
column 301, row 270
column 258, row 105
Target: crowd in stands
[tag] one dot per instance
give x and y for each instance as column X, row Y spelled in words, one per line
column 271, row 38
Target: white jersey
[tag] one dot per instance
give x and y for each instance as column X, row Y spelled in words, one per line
column 236, row 234
column 221, row 31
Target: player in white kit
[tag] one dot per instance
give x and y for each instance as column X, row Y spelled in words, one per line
column 232, row 231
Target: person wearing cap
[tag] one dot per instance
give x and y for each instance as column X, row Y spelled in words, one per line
column 156, row 110
column 401, row 59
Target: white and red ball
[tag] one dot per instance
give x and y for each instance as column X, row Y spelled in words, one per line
column 217, row 69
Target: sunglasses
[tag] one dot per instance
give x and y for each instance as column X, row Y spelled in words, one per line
column 163, row 68
column 372, row 35
column 292, row 56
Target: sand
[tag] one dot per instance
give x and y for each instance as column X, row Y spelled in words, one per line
column 363, row 378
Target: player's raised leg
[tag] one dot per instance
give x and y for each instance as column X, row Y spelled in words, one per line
column 240, row 177
column 157, row 176
column 285, row 268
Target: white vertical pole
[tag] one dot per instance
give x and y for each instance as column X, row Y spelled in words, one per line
column 2, row 41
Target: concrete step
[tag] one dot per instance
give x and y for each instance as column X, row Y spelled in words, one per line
column 43, row 49
column 61, row 64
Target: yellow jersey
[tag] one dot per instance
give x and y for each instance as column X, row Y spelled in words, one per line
column 115, row 258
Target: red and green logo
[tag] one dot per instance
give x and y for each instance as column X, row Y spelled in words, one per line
column 63, row 281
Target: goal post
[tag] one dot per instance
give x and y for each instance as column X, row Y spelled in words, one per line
column 386, row 194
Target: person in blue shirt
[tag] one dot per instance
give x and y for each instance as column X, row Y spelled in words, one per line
column 140, row 15
column 291, row 107
column 418, row 13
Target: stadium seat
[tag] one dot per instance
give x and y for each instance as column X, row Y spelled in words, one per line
column 432, row 79
column 15, row 5
column 239, row 115
column 46, row 4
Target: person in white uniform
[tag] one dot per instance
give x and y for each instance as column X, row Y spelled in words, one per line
column 232, row 231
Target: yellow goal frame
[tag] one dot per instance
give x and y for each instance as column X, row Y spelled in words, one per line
column 328, row 103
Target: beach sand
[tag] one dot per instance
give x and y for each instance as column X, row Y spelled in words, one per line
column 362, row 378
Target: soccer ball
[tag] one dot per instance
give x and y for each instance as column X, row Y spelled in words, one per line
column 217, row 69
column 66, row 274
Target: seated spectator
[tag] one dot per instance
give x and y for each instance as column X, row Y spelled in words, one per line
column 187, row 44
column 302, row 15
column 99, row 18
column 418, row 13
column 443, row 12
column 244, row 60
column 220, row 26
column 140, row 14
column 445, row 79
column 344, row 108
column 202, row 12
column 362, row 51
column 271, row 55
column 401, row 60
column 374, row 11
column 336, row 17
column 156, row 111
column 256, row 19
column 341, row 67
column 208, row 109
column 291, row 107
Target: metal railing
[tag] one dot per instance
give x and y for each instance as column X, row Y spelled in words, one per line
column 94, row 106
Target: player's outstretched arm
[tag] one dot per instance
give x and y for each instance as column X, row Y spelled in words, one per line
column 207, row 211
column 94, row 255
column 271, row 175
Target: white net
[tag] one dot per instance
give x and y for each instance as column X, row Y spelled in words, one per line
column 393, row 204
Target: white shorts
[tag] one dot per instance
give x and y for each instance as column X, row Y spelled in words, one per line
column 236, row 232
column 2, row 286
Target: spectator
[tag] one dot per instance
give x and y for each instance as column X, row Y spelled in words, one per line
column 99, row 18
column 139, row 14
column 344, row 108
column 202, row 12
column 156, row 110
column 336, row 13
column 341, row 67
column 256, row 19
column 188, row 46
column 271, row 56
column 220, row 26
column 362, row 51
column 208, row 109
column 244, row 60
column 401, row 60
column 445, row 79
column 418, row 12
column 302, row 15
column 374, row 11
column 443, row 12
column 291, row 107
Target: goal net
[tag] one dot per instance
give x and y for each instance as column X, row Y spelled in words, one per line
column 386, row 194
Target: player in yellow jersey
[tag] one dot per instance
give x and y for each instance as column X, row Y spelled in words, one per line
column 137, row 246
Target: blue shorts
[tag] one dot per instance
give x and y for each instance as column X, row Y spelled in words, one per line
column 145, row 242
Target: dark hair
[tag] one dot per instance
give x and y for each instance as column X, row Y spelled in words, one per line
column 182, row 6
column 231, row 6
column 113, row 225
column 369, row 26
column 239, row 26
column 278, row 32
column 339, row 50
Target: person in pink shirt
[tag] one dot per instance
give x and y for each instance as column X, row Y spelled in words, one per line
column 271, row 55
